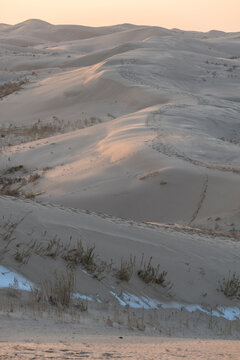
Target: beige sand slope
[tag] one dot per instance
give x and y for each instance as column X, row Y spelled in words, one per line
column 140, row 123
column 178, row 95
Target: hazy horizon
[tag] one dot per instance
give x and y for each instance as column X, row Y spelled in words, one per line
column 198, row 16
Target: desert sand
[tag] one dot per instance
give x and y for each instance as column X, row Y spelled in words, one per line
column 119, row 161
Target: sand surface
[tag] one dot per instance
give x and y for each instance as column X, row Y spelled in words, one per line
column 122, row 141
column 136, row 348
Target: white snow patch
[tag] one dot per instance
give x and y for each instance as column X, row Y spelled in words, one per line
column 9, row 278
column 83, row 297
column 144, row 302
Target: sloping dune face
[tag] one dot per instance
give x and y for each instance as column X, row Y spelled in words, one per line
column 127, row 138
column 139, row 122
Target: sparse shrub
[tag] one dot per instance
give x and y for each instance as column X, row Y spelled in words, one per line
column 10, row 192
column 11, row 183
column 36, row 295
column 46, row 168
column 22, row 255
column 14, row 169
column 24, row 252
column 9, row 228
column 33, row 177
column 88, row 256
column 163, row 182
column 230, row 287
column 59, row 290
column 54, row 248
column 81, row 305
column 10, row 87
column 150, row 274
column 81, row 256
column 12, row 289
column 126, row 269
column 30, row 195
column 13, row 135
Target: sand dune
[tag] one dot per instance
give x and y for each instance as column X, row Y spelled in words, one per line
column 183, row 255
column 44, row 31
column 140, row 124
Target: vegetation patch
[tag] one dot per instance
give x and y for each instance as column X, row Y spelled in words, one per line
column 230, row 286
column 150, row 274
column 81, row 256
column 126, row 269
column 11, row 87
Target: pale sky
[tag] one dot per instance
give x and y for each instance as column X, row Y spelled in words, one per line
column 200, row 15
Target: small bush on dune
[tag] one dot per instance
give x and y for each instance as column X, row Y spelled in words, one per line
column 81, row 256
column 34, row 177
column 59, row 290
column 150, row 274
column 230, row 287
column 30, row 195
column 10, row 192
column 10, row 87
column 126, row 269
column 22, row 256
column 14, row 169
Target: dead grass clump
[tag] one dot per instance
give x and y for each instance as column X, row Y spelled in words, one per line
column 14, row 169
column 7, row 181
column 6, row 184
column 46, row 168
column 81, row 305
column 10, row 192
column 59, row 291
column 10, row 87
column 13, row 135
column 36, row 296
column 81, row 256
column 150, row 274
column 10, row 184
column 33, row 177
column 24, row 252
column 230, row 287
column 12, row 289
column 23, row 255
column 163, row 182
column 54, row 248
column 88, row 256
column 126, row 269
column 30, row 195
column 9, row 228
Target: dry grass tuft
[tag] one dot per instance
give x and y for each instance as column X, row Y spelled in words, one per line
column 230, row 287
column 33, row 177
column 150, row 274
column 163, row 182
column 23, row 255
column 10, row 87
column 126, row 269
column 14, row 169
column 7, row 191
column 59, row 291
column 29, row 195
column 81, row 256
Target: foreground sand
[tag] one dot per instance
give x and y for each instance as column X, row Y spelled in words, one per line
column 105, row 347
